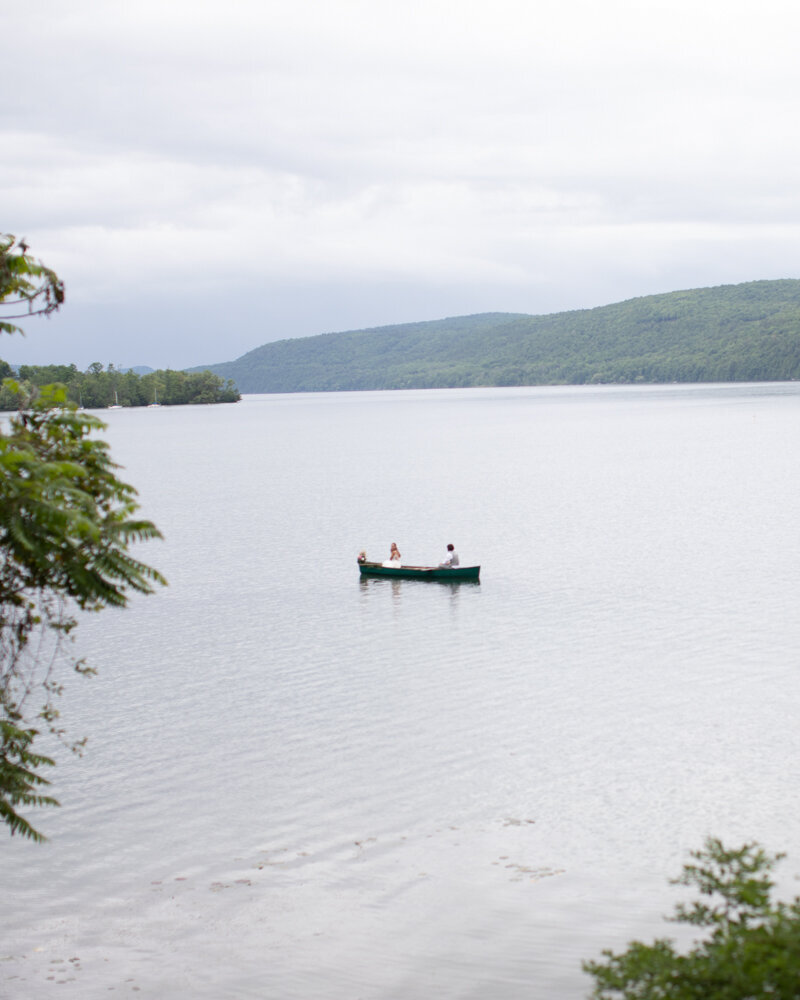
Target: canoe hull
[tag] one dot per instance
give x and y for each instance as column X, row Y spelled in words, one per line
column 420, row 572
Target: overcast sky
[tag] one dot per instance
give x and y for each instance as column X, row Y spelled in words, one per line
column 207, row 176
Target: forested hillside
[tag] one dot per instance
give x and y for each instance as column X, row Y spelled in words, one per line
column 747, row 332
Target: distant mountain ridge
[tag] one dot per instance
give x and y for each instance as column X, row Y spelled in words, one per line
column 745, row 332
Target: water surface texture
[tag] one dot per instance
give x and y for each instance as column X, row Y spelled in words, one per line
column 300, row 785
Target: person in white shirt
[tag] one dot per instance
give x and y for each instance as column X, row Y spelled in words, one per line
column 452, row 558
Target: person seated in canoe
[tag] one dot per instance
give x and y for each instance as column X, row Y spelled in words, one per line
column 362, row 556
column 452, row 557
column 394, row 557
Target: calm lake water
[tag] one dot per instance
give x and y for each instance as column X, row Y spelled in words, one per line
column 302, row 786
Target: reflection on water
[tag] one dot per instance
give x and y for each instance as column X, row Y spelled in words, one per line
column 300, row 788
column 397, row 584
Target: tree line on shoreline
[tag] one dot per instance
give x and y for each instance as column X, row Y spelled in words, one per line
column 99, row 388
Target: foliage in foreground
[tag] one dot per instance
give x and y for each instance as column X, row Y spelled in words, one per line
column 66, row 526
column 752, row 949
column 27, row 287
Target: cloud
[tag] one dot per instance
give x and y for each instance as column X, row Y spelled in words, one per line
column 282, row 169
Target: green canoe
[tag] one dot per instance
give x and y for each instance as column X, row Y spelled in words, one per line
column 420, row 572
